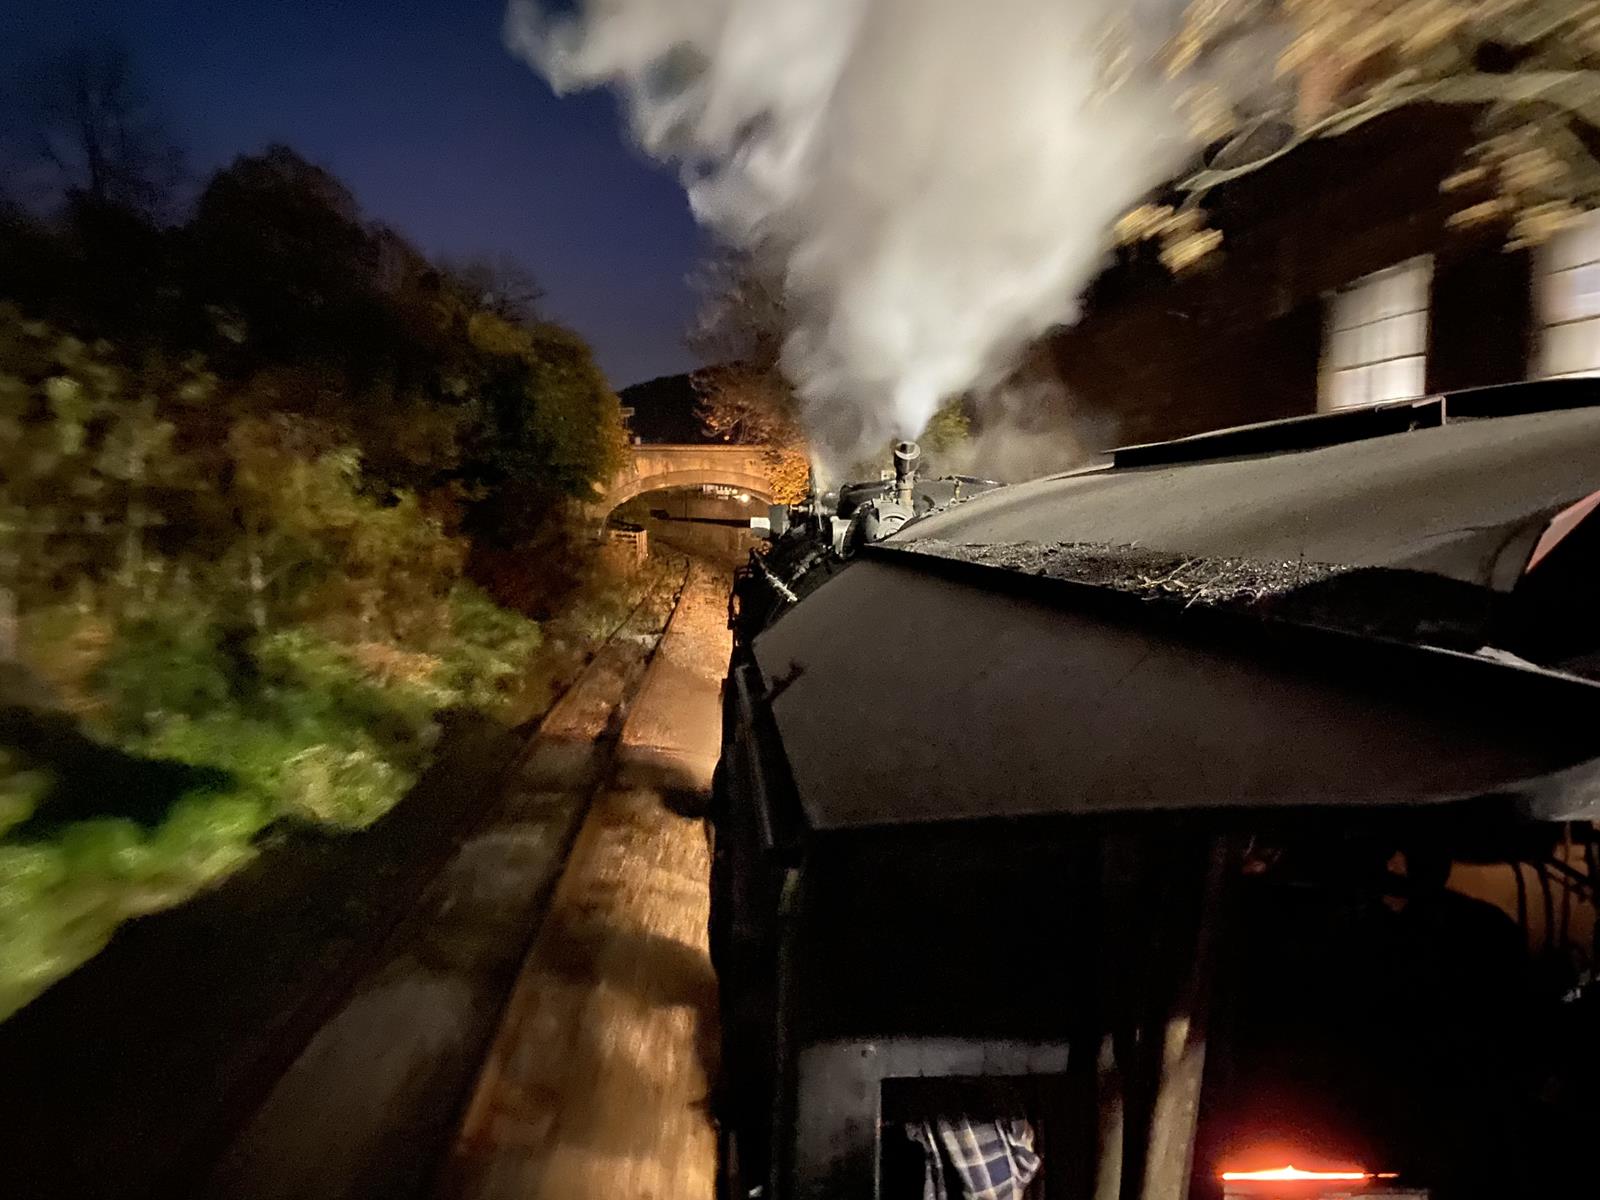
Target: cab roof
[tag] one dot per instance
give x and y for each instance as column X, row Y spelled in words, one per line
column 1441, row 485
column 916, row 687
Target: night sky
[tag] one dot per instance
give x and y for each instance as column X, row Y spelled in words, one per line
column 434, row 126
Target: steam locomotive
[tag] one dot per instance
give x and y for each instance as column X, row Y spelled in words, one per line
column 1217, row 819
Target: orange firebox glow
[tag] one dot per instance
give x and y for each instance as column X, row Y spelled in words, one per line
column 1294, row 1175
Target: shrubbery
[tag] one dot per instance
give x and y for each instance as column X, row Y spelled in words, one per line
column 288, row 632
column 286, row 724
column 236, row 538
column 63, row 894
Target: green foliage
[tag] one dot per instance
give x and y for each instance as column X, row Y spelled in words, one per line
column 64, row 643
column 21, row 790
column 313, row 541
column 322, row 772
column 244, row 466
column 289, row 716
column 61, row 900
column 947, row 429
column 302, row 677
column 487, row 650
column 435, row 376
column 576, row 416
column 545, row 412
column 163, row 667
column 90, row 473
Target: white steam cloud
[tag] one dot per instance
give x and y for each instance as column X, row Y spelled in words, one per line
column 937, row 177
column 1029, row 429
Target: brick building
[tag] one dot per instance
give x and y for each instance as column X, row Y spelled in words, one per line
column 1339, row 282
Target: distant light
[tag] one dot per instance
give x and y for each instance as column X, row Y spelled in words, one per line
column 1295, row 1175
column 744, row 497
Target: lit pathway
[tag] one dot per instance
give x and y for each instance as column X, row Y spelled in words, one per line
column 596, row 1087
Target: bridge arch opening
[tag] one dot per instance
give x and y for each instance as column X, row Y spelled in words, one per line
column 709, row 519
column 756, row 486
column 654, row 467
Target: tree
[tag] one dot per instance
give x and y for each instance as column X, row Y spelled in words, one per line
column 544, row 428
column 745, row 397
column 1530, row 68
column 576, row 419
column 281, row 255
column 95, row 126
column 312, row 310
column 92, row 487
column 543, row 411
column 753, row 406
column 242, row 464
column 311, row 544
column 502, row 286
column 444, row 384
column 741, row 315
column 947, row 433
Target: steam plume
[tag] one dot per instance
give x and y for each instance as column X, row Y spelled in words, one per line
column 1030, row 428
column 936, row 176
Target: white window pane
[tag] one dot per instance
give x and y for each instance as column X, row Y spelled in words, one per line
column 1569, row 349
column 1367, row 303
column 1398, row 337
column 1371, row 385
column 1360, row 385
column 1399, row 379
column 1389, row 296
column 1409, row 289
column 1415, row 371
column 1574, row 246
column 1392, row 291
column 1567, row 296
column 1345, row 348
column 1572, row 294
column 1346, row 389
column 1352, row 309
column 1415, row 340
column 1377, row 337
column 1375, row 383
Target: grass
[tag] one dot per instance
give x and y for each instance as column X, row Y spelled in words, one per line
column 188, row 737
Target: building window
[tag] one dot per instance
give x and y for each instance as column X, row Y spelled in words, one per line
column 1377, row 343
column 1568, row 291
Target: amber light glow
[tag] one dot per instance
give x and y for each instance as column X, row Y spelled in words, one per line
column 1295, row 1175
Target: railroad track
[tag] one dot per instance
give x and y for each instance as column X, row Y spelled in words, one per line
column 136, row 1075
column 597, row 1082
column 370, row 1097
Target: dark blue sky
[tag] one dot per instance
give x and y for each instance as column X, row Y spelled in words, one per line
column 439, row 131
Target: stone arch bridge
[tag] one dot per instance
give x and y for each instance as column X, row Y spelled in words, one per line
column 653, row 468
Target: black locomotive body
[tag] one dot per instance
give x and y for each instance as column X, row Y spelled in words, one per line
column 1221, row 814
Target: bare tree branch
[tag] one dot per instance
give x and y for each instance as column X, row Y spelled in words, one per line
column 95, row 128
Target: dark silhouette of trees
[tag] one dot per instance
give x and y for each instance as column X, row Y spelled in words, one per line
column 95, row 127
column 501, row 285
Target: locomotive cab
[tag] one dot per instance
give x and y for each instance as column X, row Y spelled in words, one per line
column 1215, row 821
